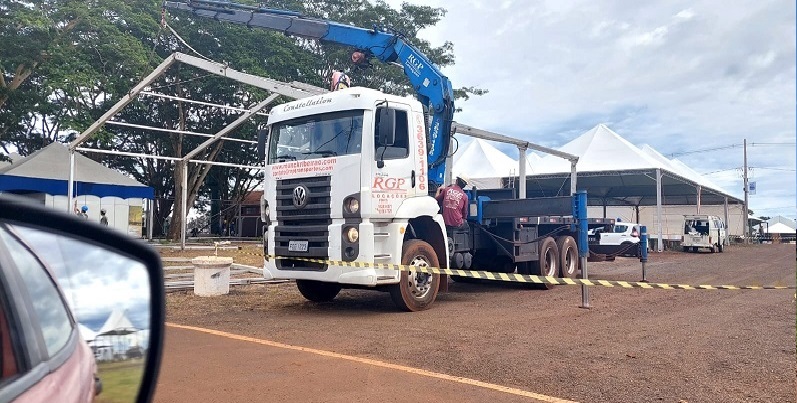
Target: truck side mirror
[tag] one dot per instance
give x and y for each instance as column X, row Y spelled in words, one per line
column 262, row 139
column 386, row 127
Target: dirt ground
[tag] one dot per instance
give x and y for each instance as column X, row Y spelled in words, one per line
column 633, row 345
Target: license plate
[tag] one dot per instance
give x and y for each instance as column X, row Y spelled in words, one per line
column 297, row 246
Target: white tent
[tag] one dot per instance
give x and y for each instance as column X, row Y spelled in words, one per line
column 118, row 332
column 780, row 225
column 44, row 176
column 88, row 334
column 600, row 149
column 483, row 164
column 117, row 324
column 678, row 167
column 634, row 182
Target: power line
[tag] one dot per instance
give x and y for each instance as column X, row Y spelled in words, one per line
column 729, row 146
column 775, row 169
column 705, row 150
column 750, row 168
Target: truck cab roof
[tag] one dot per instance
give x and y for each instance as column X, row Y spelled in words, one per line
column 345, row 99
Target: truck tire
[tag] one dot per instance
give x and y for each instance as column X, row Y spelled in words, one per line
column 627, row 248
column 318, row 291
column 548, row 265
column 416, row 291
column 568, row 255
column 686, row 249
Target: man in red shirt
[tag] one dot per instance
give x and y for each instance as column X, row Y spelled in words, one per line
column 454, row 203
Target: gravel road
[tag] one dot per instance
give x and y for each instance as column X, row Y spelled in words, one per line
column 634, row 345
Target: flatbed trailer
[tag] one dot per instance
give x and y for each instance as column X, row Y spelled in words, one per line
column 527, row 236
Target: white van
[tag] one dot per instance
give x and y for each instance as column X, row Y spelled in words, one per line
column 704, row 231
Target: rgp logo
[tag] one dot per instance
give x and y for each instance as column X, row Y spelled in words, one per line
column 414, row 64
column 387, row 184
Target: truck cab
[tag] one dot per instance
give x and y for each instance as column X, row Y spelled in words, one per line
column 704, row 231
column 346, row 182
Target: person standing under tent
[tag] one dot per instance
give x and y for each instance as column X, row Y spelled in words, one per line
column 84, row 212
column 103, row 218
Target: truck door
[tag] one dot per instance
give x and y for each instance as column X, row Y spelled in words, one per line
column 393, row 166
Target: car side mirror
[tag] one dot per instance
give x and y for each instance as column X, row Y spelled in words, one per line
column 77, row 298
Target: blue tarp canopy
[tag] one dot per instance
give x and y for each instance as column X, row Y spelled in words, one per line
column 47, row 171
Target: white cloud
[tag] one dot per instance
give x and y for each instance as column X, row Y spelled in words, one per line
column 686, row 14
column 678, row 75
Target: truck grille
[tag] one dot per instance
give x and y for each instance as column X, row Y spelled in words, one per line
column 310, row 223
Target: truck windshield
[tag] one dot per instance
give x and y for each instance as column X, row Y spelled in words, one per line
column 317, row 136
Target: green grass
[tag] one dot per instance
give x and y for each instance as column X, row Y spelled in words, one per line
column 120, row 381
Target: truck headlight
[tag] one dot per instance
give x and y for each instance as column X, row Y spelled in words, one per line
column 352, row 205
column 352, row 234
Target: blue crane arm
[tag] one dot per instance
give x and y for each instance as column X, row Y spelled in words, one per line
column 433, row 88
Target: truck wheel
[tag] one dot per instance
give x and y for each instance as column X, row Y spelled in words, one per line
column 686, row 249
column 548, row 265
column 568, row 255
column 416, row 291
column 626, row 248
column 318, row 291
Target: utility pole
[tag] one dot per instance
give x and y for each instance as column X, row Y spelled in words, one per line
column 746, row 190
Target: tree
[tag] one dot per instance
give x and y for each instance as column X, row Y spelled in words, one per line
column 65, row 62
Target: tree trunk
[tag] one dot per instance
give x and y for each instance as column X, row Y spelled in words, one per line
column 177, row 215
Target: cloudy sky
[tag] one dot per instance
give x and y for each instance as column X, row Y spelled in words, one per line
column 678, row 75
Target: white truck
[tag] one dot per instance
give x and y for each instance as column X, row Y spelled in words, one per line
column 350, row 175
column 704, row 232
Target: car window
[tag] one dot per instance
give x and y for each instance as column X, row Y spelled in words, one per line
column 401, row 147
column 619, row 229
column 50, row 309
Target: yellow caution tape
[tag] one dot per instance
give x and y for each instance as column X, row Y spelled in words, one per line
column 525, row 278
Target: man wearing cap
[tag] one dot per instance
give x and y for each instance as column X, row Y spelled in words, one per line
column 454, row 203
column 83, row 213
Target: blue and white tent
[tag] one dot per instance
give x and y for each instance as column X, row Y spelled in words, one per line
column 44, row 176
column 47, row 171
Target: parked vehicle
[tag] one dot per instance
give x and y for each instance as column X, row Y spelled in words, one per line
column 704, row 232
column 618, row 239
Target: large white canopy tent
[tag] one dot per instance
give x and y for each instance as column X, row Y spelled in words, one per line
column 614, row 172
column 780, row 225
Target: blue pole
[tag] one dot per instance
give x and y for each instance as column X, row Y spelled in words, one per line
column 580, row 215
column 643, row 251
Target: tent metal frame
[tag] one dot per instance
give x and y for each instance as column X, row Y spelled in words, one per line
column 277, row 88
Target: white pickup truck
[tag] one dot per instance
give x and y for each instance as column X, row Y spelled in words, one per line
column 621, row 239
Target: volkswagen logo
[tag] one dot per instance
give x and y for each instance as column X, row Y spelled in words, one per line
column 300, row 196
